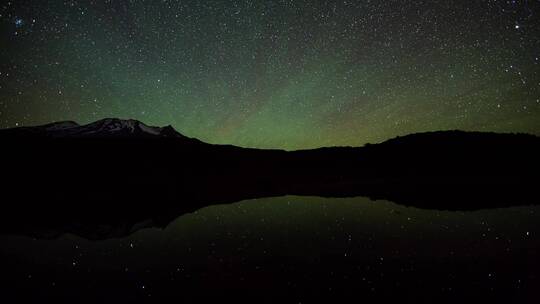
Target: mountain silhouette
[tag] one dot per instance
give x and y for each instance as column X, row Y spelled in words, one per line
column 112, row 177
column 105, row 128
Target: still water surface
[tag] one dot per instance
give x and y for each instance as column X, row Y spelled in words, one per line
column 295, row 247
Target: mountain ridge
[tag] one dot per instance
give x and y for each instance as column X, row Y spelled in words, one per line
column 125, row 128
column 103, row 128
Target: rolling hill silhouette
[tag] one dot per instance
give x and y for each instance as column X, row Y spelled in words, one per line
column 103, row 179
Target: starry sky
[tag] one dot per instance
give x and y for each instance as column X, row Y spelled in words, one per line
column 285, row 74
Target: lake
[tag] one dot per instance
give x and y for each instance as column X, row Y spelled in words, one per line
column 297, row 249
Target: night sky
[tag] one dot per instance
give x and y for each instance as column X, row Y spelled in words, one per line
column 274, row 74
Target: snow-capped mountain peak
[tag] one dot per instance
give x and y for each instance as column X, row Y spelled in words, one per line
column 104, row 128
column 122, row 127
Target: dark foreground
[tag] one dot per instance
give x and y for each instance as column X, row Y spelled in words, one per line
column 116, row 211
column 115, row 174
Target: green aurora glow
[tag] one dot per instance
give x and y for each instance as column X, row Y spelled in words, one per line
column 274, row 74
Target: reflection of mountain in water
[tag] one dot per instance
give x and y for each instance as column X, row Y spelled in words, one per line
column 109, row 175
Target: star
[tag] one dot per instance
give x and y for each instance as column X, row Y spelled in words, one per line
column 19, row 22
